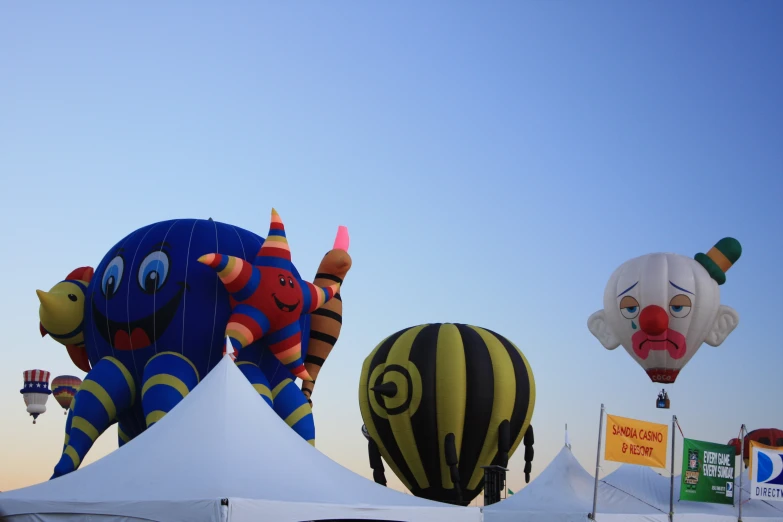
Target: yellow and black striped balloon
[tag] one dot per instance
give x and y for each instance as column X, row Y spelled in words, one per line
column 439, row 401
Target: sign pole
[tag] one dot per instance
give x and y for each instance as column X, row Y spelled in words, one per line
column 597, row 462
column 671, row 488
column 742, row 461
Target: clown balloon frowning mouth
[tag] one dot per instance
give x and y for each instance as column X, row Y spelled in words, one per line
column 662, row 307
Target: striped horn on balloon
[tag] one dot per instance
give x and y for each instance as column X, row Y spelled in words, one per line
column 276, row 243
column 239, row 277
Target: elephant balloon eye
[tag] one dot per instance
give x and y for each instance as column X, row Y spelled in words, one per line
column 629, row 307
column 72, row 297
column 680, row 306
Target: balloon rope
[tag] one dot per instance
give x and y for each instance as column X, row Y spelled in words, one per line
column 185, row 289
column 244, row 256
column 677, row 422
column 127, row 303
column 217, row 283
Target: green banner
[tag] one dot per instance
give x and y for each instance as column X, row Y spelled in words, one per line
column 707, row 472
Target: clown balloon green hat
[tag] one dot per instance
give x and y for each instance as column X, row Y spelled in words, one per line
column 720, row 258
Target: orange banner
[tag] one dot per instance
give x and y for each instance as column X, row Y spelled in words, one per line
column 636, row 442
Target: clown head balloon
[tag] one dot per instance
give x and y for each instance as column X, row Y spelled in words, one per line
column 662, row 307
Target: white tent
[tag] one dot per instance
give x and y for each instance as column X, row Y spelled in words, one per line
column 649, row 486
column 221, row 455
column 563, row 492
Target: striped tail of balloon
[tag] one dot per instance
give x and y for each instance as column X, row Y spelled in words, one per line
column 326, row 322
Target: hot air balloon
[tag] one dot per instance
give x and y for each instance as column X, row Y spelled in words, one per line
column 64, row 388
column 439, row 401
column 767, row 436
column 36, row 391
column 662, row 307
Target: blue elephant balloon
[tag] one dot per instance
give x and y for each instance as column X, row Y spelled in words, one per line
column 154, row 326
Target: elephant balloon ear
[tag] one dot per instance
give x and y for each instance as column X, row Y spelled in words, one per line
column 596, row 323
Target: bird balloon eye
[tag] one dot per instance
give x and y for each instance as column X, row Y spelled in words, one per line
column 290, row 282
column 629, row 307
column 112, row 277
column 282, row 281
column 72, row 297
column 153, row 271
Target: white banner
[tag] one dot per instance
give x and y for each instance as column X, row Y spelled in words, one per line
column 766, row 472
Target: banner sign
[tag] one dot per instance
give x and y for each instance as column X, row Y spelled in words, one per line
column 636, row 442
column 707, row 472
column 766, row 476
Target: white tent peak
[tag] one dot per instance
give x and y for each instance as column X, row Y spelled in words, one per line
column 563, row 492
column 181, row 468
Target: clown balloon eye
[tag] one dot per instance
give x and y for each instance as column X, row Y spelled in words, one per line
column 153, row 271
column 629, row 307
column 680, row 306
column 290, row 282
column 282, row 281
column 112, row 277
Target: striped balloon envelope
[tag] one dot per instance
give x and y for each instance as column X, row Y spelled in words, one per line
column 439, row 401
column 64, row 388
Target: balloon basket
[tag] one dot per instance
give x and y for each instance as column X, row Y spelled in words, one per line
column 663, row 402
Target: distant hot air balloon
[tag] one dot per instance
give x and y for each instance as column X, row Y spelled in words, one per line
column 439, row 401
column 767, row 436
column 36, row 391
column 64, row 388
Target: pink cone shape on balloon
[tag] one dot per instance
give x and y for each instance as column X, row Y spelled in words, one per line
column 342, row 240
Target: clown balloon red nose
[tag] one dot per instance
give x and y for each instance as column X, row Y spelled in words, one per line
column 653, row 320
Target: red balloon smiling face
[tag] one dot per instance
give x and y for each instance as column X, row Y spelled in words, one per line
column 285, row 291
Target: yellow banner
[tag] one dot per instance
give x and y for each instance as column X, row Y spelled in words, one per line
column 636, row 442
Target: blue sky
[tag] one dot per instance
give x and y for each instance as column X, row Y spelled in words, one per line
column 493, row 162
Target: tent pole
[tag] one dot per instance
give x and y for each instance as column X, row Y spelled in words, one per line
column 742, row 461
column 597, row 462
column 671, row 487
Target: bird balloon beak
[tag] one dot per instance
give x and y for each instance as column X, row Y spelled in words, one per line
column 44, row 298
column 387, row 389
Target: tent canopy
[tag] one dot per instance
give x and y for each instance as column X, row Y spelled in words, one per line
column 644, row 483
column 563, row 492
column 221, row 442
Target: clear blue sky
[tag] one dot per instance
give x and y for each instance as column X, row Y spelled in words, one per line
column 493, row 162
